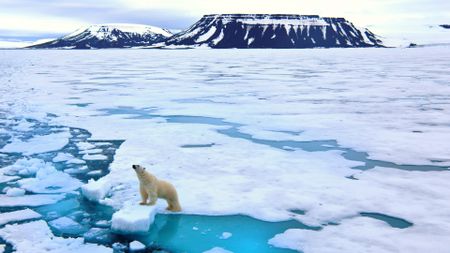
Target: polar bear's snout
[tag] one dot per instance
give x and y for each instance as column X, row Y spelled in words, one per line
column 134, row 166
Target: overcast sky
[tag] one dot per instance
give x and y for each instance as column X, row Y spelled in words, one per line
column 29, row 19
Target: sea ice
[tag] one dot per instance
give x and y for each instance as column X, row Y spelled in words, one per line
column 21, row 215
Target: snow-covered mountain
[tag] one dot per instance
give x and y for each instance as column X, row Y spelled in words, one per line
column 273, row 31
column 109, row 36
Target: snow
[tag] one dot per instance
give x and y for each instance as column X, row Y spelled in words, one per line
column 30, row 200
column 204, row 37
column 219, row 38
column 133, row 219
column 136, row 245
column 41, row 240
column 38, row 144
column 15, row 192
column 100, row 30
column 285, row 22
column 21, row 215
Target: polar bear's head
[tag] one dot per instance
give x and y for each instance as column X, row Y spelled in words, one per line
column 139, row 169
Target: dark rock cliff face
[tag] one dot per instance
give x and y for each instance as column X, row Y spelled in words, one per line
column 109, row 36
column 273, row 31
column 445, row 26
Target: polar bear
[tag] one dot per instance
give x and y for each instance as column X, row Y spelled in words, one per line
column 151, row 188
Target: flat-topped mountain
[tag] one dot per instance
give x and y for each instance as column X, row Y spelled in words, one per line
column 109, row 36
column 273, row 31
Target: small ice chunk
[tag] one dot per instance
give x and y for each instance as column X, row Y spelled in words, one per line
column 97, row 235
column 2, row 248
column 21, row 215
column 217, row 250
column 91, row 151
column 96, row 190
column 94, row 173
column 119, row 247
column 103, row 223
column 67, row 226
column 95, row 157
column 226, row 235
column 23, row 126
column 133, row 219
column 15, row 192
column 75, row 161
column 136, row 245
column 62, row 157
column 85, row 145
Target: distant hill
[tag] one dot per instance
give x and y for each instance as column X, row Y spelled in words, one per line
column 109, row 36
column 273, row 31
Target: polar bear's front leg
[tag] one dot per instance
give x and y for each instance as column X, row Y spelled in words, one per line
column 144, row 195
column 153, row 198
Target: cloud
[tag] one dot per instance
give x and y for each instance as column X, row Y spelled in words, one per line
column 64, row 16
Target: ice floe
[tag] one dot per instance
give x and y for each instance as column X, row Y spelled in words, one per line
column 38, row 144
column 136, row 246
column 15, row 192
column 133, row 219
column 30, row 200
column 21, row 215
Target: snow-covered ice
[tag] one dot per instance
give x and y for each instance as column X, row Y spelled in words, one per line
column 133, row 219
column 21, row 215
column 391, row 104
